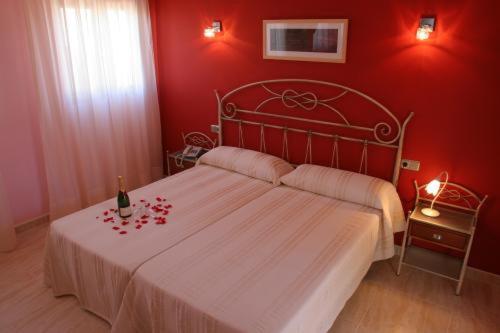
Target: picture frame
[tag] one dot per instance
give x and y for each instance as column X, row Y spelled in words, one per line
column 318, row 40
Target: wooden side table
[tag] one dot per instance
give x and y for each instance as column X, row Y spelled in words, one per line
column 179, row 160
column 197, row 139
column 454, row 229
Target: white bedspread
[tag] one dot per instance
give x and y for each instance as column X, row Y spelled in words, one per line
column 286, row 262
column 86, row 258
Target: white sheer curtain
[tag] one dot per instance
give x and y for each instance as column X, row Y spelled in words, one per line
column 99, row 115
column 7, row 233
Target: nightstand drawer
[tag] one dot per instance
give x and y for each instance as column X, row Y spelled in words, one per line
column 439, row 235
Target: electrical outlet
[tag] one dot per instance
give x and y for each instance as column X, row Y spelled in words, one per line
column 410, row 165
column 214, row 128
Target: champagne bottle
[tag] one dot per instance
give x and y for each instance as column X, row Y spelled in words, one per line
column 124, row 209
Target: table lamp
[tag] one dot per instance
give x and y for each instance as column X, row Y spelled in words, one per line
column 434, row 188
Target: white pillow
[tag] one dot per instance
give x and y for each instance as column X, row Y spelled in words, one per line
column 247, row 162
column 350, row 186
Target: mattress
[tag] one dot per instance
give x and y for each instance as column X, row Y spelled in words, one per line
column 285, row 262
column 89, row 259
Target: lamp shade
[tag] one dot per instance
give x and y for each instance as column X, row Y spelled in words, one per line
column 433, row 187
column 209, row 33
column 423, row 33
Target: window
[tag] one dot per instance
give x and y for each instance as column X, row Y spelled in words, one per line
column 100, row 49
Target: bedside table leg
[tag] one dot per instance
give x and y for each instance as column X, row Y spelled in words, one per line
column 464, row 264
column 403, row 246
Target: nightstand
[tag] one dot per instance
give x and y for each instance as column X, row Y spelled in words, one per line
column 179, row 160
column 453, row 229
column 195, row 139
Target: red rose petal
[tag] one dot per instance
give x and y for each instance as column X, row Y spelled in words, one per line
column 164, row 199
column 144, row 222
column 139, row 226
column 116, row 228
column 147, row 205
column 137, row 221
column 105, row 213
column 160, row 220
column 165, row 212
column 158, row 199
column 168, row 206
column 144, row 217
column 123, row 232
column 142, row 200
column 124, row 222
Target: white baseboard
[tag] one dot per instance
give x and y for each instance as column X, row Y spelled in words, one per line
column 23, row 226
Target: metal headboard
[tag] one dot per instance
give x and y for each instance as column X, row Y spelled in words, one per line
column 382, row 132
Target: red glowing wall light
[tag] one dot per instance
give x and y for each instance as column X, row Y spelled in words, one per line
column 426, row 27
column 216, row 28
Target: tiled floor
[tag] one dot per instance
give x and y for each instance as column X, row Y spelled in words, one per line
column 413, row 302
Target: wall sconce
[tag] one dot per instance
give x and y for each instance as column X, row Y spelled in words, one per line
column 426, row 26
column 434, row 188
column 213, row 30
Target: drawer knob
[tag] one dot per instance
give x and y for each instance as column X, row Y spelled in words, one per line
column 437, row 236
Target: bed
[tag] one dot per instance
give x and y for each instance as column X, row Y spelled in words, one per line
column 285, row 262
column 290, row 259
column 92, row 254
column 266, row 259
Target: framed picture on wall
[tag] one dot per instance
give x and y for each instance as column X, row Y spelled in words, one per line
column 322, row 40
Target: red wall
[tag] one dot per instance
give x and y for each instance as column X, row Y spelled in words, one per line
column 451, row 82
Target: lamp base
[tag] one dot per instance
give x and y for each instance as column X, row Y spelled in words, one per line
column 430, row 212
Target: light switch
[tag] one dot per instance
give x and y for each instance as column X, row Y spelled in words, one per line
column 410, row 165
column 214, row 128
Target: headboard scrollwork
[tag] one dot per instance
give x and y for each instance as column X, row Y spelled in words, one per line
column 199, row 139
column 453, row 195
column 385, row 133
